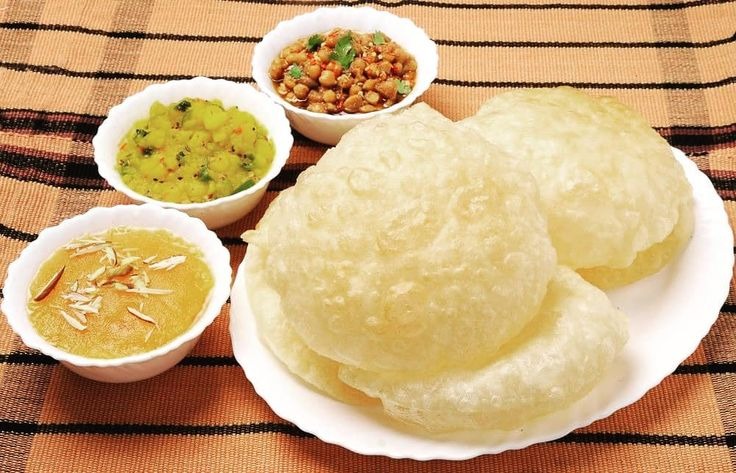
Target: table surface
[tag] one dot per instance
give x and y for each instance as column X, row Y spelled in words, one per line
column 64, row 64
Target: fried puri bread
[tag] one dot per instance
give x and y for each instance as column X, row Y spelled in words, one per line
column 610, row 185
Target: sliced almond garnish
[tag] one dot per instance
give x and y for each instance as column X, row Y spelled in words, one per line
column 84, row 243
column 150, row 259
column 76, row 297
column 142, row 316
column 110, row 254
column 82, row 318
column 120, row 286
column 73, row 321
column 128, row 260
column 96, row 273
column 90, row 249
column 150, row 290
column 169, row 263
column 49, row 286
column 119, row 271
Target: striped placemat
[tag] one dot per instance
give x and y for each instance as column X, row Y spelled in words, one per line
column 64, row 64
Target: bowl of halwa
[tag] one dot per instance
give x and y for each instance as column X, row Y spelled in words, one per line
column 118, row 294
column 206, row 147
column 336, row 67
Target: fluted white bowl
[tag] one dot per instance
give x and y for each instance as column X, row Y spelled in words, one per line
column 323, row 127
column 133, row 367
column 219, row 212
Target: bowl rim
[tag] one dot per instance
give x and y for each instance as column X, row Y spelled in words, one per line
column 264, row 83
column 15, row 302
column 119, row 113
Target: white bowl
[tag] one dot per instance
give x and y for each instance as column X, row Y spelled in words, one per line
column 134, row 367
column 327, row 128
column 219, row 212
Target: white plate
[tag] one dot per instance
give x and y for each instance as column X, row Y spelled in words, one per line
column 669, row 315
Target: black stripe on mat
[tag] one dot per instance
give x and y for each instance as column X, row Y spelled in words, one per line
column 35, row 358
column 110, row 75
column 493, row 6
column 650, row 439
column 14, row 234
column 37, row 428
column 34, row 428
column 84, row 127
column 442, row 42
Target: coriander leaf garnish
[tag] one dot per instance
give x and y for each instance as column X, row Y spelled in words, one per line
column 183, row 106
column 378, row 38
column 402, row 87
column 295, row 72
column 246, row 185
column 344, row 52
column 204, row 174
column 314, row 42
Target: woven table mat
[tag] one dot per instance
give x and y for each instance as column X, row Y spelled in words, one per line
column 64, row 64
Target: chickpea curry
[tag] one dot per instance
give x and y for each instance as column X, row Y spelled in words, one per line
column 343, row 71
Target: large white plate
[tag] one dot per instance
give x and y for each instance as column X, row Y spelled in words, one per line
column 669, row 314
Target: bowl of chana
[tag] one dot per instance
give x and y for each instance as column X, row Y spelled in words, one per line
column 335, row 67
column 206, row 147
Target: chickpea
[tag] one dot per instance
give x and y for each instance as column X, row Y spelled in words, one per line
column 313, row 71
column 329, row 96
column 281, row 89
column 367, row 108
column 345, row 82
column 372, row 97
column 370, row 84
column 331, row 108
column 373, row 70
column 296, row 58
column 387, row 88
column 335, row 67
column 314, row 96
column 357, row 67
column 385, row 67
column 327, row 78
column 324, row 54
column 411, row 65
column 353, row 103
column 289, row 81
column 309, row 82
column 355, row 89
column 301, row 91
column 276, row 71
column 316, row 107
column 389, row 56
column 331, row 40
column 398, row 68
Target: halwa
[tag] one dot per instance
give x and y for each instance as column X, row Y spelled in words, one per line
column 343, row 71
column 120, row 292
column 194, row 150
